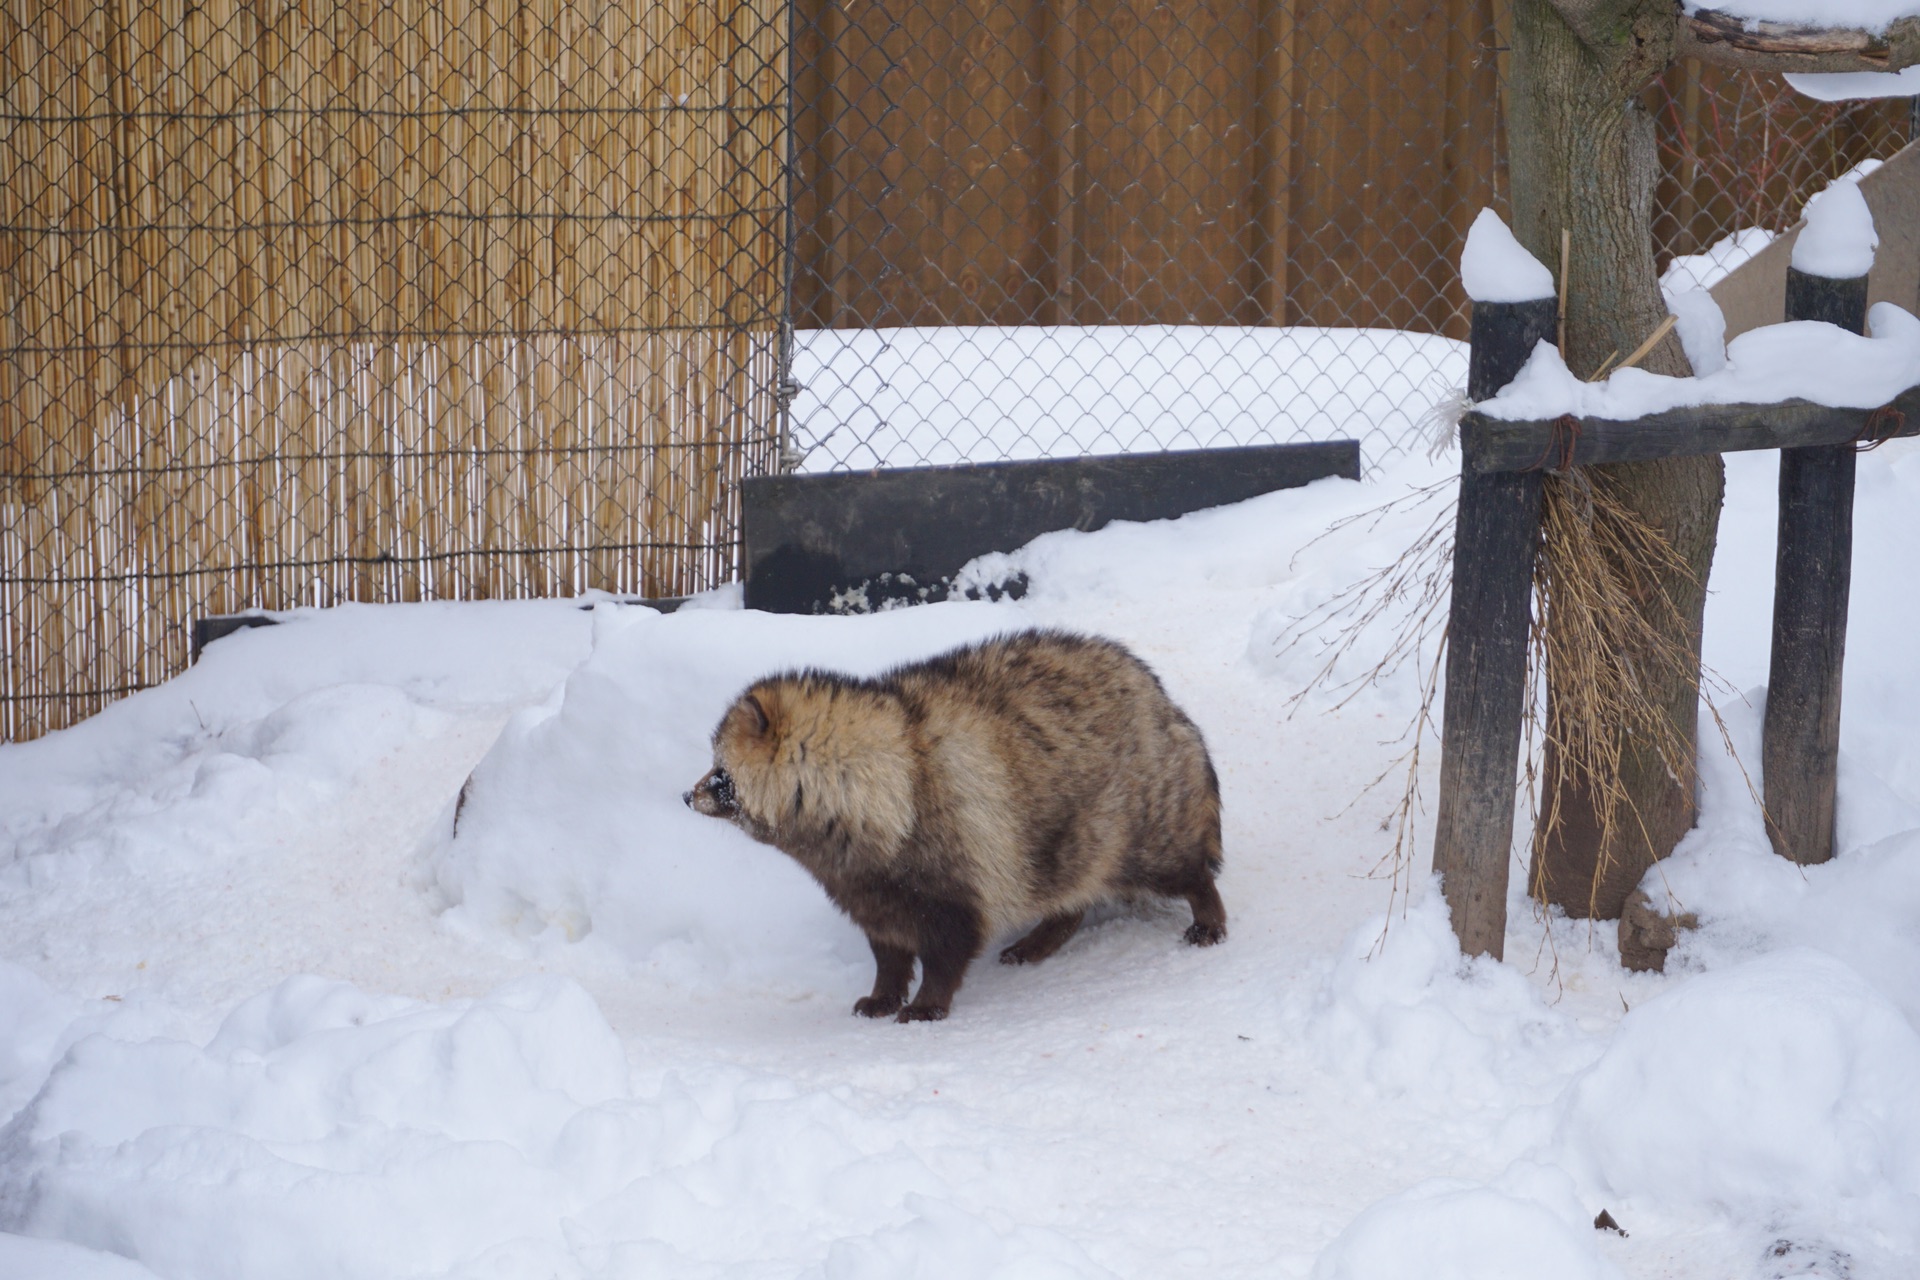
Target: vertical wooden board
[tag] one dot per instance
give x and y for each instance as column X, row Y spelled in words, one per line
column 1269, row 252
column 1496, row 531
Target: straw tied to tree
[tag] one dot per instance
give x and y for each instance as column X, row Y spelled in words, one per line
column 1623, row 516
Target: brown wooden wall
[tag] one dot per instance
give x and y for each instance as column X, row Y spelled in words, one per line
column 1137, row 161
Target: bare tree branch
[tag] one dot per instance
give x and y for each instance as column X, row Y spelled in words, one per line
column 1729, row 41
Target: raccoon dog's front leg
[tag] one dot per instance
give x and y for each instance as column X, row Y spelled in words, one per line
column 893, row 974
column 951, row 935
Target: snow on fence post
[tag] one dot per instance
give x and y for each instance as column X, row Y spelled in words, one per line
column 1495, row 530
column 1813, row 561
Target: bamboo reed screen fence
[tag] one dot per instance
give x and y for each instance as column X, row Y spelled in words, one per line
column 314, row 300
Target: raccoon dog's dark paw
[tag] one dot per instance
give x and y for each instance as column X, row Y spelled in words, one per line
column 923, row 1013
column 876, row 1006
column 1205, row 935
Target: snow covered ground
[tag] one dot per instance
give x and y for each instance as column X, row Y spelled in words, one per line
column 263, row 1014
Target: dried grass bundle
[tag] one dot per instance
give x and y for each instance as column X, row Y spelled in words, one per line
column 1605, row 636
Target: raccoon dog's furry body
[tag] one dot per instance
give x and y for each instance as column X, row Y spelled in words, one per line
column 1017, row 780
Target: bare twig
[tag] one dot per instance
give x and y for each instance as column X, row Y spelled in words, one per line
column 1653, row 340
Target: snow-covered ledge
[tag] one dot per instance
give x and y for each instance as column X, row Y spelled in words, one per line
column 1799, row 360
column 1801, row 35
column 1818, row 363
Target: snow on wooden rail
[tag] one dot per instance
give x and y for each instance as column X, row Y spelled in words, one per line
column 1494, row 444
column 1845, row 39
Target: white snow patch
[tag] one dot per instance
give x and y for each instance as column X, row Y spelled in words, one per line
column 1708, row 268
column 1496, row 267
column 1759, row 1091
column 1802, row 359
column 1702, row 327
column 961, row 393
column 1854, row 86
column 1838, row 239
column 25, row 1258
column 1866, row 15
column 1449, row 1229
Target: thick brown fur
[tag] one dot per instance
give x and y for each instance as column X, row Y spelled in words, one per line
column 1021, row 779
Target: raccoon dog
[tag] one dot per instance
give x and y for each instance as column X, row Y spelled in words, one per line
column 1017, row 780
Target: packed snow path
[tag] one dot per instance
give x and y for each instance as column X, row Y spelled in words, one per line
column 262, row 1014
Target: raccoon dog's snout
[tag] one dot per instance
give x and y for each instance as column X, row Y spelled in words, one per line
column 713, row 795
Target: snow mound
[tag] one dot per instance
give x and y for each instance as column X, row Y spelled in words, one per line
column 1774, row 1089
column 321, row 1132
column 1496, row 267
column 573, row 826
column 1447, row 1229
column 1839, row 239
column 1404, row 1010
column 324, row 1133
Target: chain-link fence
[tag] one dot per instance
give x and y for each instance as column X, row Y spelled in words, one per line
column 421, row 298
column 1035, row 227
column 1743, row 151
column 458, row 298
column 1044, row 227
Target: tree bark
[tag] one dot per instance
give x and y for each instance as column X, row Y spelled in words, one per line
column 1583, row 160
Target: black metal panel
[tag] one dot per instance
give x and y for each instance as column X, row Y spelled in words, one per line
column 816, row 544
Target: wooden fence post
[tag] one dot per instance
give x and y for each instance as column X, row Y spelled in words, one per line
column 1494, row 538
column 1813, row 562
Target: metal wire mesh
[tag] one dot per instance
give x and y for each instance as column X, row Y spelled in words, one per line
column 1034, row 227
column 1052, row 227
column 1743, row 150
column 317, row 301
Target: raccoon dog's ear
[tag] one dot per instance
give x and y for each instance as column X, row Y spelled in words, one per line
column 757, row 715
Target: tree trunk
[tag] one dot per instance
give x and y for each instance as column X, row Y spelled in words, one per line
column 1583, row 160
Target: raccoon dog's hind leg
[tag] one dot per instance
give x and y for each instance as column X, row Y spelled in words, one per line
column 1209, row 913
column 1188, row 872
column 1201, row 865
column 1045, row 938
